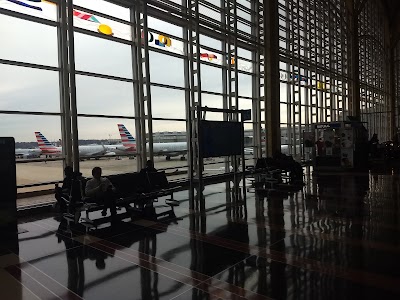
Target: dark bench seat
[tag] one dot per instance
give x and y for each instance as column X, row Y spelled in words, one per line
column 135, row 192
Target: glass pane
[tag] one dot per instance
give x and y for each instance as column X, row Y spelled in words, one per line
column 211, row 13
column 102, row 129
column 102, row 56
column 105, row 7
column 169, row 126
column 104, row 96
column 244, row 65
column 41, row 9
column 168, row 103
column 102, row 25
column 244, row 27
column 283, row 108
column 27, row 89
column 164, row 42
column 244, row 53
column 22, row 128
column 245, row 85
column 213, row 101
column 211, row 79
column 105, row 132
column 28, row 41
column 166, row 69
column 210, row 42
column 245, row 3
column 170, row 148
column 153, row 23
column 245, row 104
column 211, row 57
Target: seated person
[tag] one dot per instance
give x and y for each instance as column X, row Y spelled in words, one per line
column 149, row 167
column 101, row 190
column 77, row 192
column 65, row 189
column 146, row 179
column 287, row 163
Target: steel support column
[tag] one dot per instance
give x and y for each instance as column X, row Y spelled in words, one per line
column 72, row 87
column 257, row 77
column 140, row 86
column 271, row 79
column 392, row 92
column 354, row 83
column 186, row 71
column 64, row 84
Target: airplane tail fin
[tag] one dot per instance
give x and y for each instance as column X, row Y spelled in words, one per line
column 43, row 143
column 127, row 139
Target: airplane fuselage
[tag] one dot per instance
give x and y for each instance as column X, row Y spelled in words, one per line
column 27, row 153
column 90, row 150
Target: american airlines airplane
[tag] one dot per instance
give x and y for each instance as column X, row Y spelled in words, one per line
column 128, row 145
column 284, row 148
column 27, row 153
column 48, row 148
column 162, row 149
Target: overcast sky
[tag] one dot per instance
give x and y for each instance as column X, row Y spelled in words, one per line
column 29, row 89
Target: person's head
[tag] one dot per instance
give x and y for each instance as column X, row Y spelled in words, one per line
column 100, row 263
column 150, row 164
column 68, row 171
column 96, row 172
column 375, row 135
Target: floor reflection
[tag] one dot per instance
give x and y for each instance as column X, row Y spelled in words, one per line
column 336, row 238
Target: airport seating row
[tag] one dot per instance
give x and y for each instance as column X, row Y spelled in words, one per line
column 276, row 175
column 136, row 192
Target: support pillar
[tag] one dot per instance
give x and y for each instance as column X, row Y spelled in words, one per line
column 353, row 40
column 72, row 87
column 392, row 92
column 355, row 71
column 64, row 84
column 271, row 78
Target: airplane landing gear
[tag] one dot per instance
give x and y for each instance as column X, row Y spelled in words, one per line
column 183, row 158
column 168, row 158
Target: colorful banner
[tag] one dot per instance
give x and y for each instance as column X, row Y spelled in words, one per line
column 162, row 40
column 208, row 55
column 85, row 16
column 88, row 21
column 38, row 8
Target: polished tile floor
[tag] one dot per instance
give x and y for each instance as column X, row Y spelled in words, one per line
column 337, row 238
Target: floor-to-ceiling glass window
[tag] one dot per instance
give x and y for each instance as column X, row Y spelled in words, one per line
column 29, row 90
column 117, row 85
column 104, row 85
column 374, row 70
column 313, row 67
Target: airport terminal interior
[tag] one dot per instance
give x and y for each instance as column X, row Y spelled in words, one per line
column 199, row 149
